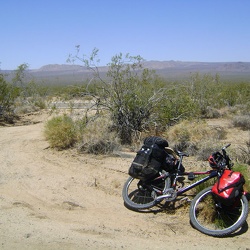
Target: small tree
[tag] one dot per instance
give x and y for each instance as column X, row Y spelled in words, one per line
column 129, row 92
column 129, row 95
column 31, row 95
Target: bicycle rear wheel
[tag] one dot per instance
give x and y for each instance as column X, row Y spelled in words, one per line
column 215, row 219
column 139, row 195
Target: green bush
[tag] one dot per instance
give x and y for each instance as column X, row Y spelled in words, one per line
column 61, row 132
column 233, row 93
column 8, row 93
column 175, row 106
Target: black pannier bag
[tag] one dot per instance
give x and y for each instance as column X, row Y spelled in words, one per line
column 149, row 159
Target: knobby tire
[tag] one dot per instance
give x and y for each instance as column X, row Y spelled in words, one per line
column 138, row 198
column 215, row 219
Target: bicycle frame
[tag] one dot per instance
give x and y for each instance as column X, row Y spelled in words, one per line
column 209, row 175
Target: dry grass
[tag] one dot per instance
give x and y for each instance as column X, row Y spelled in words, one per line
column 97, row 137
column 242, row 121
column 194, row 136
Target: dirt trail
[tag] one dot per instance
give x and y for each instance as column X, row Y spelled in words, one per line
column 60, row 200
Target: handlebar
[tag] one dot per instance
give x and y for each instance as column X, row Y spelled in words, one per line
column 226, row 156
column 224, row 148
column 181, row 154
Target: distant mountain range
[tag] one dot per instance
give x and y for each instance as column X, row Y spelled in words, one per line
column 172, row 70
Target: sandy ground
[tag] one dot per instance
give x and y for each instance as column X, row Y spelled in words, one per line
column 62, row 200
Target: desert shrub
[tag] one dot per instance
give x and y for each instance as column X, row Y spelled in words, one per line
column 242, row 121
column 234, row 93
column 28, row 105
column 100, row 146
column 25, row 104
column 206, row 149
column 176, row 105
column 242, row 154
column 129, row 91
column 39, row 102
column 61, row 132
column 25, row 108
column 193, row 136
column 210, row 112
column 98, row 138
column 239, row 109
column 8, row 93
column 31, row 96
column 201, row 89
column 131, row 95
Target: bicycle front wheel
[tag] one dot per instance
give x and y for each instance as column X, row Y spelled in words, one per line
column 138, row 195
column 215, row 219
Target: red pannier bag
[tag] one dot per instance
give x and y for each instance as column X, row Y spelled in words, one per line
column 228, row 187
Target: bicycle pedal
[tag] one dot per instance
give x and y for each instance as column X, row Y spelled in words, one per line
column 191, row 176
column 170, row 195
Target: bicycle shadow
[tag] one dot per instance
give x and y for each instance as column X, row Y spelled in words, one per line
column 174, row 206
column 241, row 231
column 170, row 207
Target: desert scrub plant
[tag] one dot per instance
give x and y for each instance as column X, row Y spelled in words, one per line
column 201, row 90
column 206, row 149
column 242, row 121
column 242, row 153
column 61, row 132
column 211, row 112
column 193, row 135
column 129, row 91
column 98, row 137
column 101, row 146
column 8, row 94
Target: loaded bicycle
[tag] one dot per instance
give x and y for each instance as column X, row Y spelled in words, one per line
column 209, row 213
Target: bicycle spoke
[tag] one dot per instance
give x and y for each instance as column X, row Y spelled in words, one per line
column 211, row 217
column 140, row 195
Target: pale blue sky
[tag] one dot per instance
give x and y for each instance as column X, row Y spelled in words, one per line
column 46, row 32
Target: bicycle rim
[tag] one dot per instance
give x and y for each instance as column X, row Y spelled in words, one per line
column 213, row 218
column 137, row 196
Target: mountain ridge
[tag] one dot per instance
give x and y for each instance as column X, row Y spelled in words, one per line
column 227, row 66
column 171, row 70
